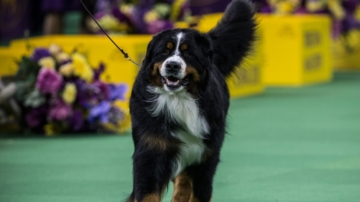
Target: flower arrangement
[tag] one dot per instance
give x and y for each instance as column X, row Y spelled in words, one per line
column 62, row 93
column 342, row 12
column 140, row 17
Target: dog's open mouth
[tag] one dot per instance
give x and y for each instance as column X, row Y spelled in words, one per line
column 174, row 82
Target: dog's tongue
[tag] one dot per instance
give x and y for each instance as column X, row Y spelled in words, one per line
column 172, row 81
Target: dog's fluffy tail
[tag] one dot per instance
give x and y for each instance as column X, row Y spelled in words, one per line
column 233, row 36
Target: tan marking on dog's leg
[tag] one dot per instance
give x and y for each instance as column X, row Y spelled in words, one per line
column 151, row 198
column 194, row 199
column 182, row 188
column 154, row 142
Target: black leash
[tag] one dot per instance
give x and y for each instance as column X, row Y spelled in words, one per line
column 121, row 50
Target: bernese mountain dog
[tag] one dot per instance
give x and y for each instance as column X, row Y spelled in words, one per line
column 179, row 105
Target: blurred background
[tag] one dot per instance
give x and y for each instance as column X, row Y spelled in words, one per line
column 294, row 120
column 299, row 43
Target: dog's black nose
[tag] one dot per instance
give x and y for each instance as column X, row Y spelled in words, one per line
column 172, row 66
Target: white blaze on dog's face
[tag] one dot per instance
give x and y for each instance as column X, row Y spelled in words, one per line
column 176, row 59
column 173, row 68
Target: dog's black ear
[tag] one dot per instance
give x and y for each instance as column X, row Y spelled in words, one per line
column 149, row 53
column 203, row 42
column 233, row 36
column 153, row 46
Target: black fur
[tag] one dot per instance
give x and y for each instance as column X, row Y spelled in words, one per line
column 233, row 36
column 214, row 56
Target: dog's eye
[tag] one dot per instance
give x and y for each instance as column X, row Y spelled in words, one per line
column 166, row 52
column 186, row 54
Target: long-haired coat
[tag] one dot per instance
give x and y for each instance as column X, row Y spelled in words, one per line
column 179, row 105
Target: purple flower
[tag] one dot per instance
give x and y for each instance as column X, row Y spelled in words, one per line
column 89, row 95
column 138, row 19
column 81, row 88
column 349, row 23
column 48, row 81
column 101, row 90
column 115, row 115
column 99, row 113
column 59, row 110
column 117, row 91
column 85, row 94
column 99, row 15
column 120, row 16
column 147, row 4
column 99, row 71
column 65, row 62
column 76, row 121
column 106, row 4
column 350, row 6
column 184, row 8
column 35, row 116
column 40, row 53
column 158, row 26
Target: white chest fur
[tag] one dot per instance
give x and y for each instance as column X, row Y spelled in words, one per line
column 190, row 151
column 182, row 108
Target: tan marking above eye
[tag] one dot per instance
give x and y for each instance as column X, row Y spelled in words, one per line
column 170, row 45
column 184, row 46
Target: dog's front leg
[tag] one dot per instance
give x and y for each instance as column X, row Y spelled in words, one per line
column 151, row 173
column 201, row 176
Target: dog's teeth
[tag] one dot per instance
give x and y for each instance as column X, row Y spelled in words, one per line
column 173, row 82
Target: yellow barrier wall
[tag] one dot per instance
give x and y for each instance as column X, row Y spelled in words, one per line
column 247, row 79
column 297, row 49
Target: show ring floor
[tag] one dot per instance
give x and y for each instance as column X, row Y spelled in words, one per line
column 287, row 145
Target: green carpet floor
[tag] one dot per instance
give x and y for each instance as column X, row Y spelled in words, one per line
column 287, row 145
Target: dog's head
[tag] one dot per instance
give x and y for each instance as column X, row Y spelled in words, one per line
column 177, row 60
